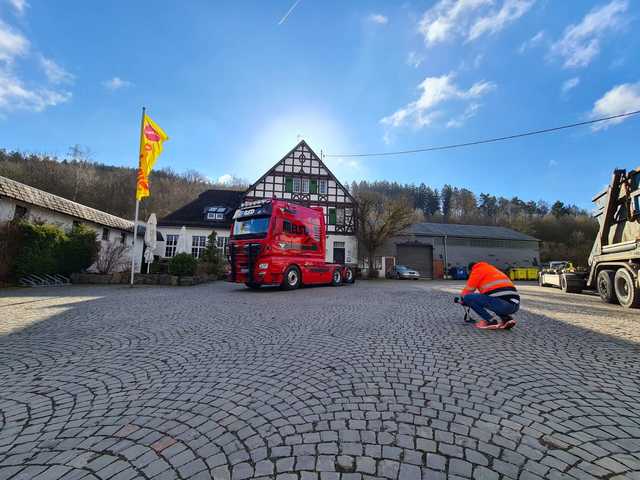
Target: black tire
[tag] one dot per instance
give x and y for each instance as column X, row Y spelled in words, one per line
column 253, row 285
column 605, row 286
column 336, row 278
column 349, row 276
column 291, row 279
column 625, row 287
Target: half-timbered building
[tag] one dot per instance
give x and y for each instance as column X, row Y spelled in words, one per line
column 302, row 177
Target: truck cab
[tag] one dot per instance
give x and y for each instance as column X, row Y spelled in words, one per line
column 275, row 242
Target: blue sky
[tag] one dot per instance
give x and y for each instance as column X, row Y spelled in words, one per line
column 234, row 86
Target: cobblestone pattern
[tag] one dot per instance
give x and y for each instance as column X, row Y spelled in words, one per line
column 376, row 381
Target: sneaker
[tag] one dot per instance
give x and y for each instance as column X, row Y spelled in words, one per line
column 486, row 325
column 506, row 318
column 509, row 324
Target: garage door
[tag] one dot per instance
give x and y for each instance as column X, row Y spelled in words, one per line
column 419, row 257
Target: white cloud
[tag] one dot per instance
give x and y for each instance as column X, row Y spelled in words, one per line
column 570, row 84
column 580, row 43
column 19, row 5
column 496, row 20
column 460, row 120
column 54, row 72
column 553, row 163
column 532, row 42
column 116, row 83
column 225, row 179
column 14, row 95
column 378, row 18
column 12, row 43
column 471, row 19
column 435, row 92
column 414, row 59
column 620, row 99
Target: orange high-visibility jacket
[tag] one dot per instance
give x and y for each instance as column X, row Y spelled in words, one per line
column 488, row 280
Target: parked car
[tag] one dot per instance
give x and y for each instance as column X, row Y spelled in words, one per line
column 402, row 272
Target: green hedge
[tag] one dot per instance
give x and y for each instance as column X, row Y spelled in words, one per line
column 183, row 264
column 46, row 249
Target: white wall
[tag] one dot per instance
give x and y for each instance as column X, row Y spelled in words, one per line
column 350, row 247
column 191, row 232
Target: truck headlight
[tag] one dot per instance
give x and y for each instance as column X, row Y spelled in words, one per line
column 263, row 266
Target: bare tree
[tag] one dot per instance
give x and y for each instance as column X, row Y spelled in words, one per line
column 112, row 258
column 379, row 219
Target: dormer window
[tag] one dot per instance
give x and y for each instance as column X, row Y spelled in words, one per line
column 215, row 213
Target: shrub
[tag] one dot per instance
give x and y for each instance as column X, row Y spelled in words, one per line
column 113, row 258
column 211, row 260
column 38, row 248
column 182, row 264
column 78, row 251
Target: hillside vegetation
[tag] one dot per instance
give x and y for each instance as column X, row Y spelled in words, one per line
column 105, row 187
column 567, row 232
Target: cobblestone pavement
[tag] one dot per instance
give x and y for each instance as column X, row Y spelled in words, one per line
column 378, row 380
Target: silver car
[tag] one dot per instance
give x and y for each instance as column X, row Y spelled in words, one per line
column 402, row 272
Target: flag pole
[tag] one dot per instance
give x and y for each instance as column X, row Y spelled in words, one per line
column 135, row 222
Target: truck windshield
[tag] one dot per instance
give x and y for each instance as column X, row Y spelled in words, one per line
column 251, row 227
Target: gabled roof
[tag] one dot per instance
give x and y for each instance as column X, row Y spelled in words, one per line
column 466, row 231
column 304, row 144
column 194, row 213
column 33, row 196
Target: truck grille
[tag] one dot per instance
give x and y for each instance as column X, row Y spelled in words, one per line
column 243, row 259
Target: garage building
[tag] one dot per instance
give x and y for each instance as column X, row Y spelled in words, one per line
column 428, row 247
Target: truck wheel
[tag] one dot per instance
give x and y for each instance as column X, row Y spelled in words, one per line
column 291, row 279
column 625, row 288
column 605, row 282
column 336, row 278
column 252, row 285
column 349, row 276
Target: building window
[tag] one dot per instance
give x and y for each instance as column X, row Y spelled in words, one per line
column 20, row 212
column 170, row 245
column 332, row 216
column 221, row 244
column 313, row 186
column 297, row 185
column 215, row 216
column 322, row 187
column 288, row 185
column 340, row 216
column 305, row 185
column 105, row 234
column 198, row 244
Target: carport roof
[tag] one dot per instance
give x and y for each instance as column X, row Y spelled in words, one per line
column 466, row 231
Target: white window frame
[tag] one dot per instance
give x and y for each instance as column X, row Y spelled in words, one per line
column 219, row 216
column 305, row 185
column 198, row 245
column 170, row 245
column 211, row 215
column 297, row 185
column 221, row 244
column 322, row 187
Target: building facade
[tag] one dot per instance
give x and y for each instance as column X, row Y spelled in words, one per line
column 20, row 201
column 434, row 248
column 211, row 211
column 302, row 177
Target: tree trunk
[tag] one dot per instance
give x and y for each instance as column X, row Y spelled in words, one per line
column 372, row 271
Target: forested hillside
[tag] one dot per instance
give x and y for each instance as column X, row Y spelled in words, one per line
column 567, row 231
column 107, row 188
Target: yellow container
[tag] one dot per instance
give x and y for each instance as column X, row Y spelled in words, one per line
column 523, row 273
column 532, row 273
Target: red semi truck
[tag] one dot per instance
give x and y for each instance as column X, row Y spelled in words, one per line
column 275, row 242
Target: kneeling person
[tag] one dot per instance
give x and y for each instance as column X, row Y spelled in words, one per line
column 497, row 294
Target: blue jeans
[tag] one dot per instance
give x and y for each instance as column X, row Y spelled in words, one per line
column 480, row 304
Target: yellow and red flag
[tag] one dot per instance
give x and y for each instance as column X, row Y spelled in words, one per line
column 151, row 138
